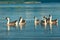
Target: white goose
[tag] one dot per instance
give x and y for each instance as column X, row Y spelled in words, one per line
column 22, row 21
column 11, row 23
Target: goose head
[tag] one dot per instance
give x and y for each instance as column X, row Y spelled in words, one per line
column 49, row 15
column 35, row 18
column 7, row 18
column 20, row 18
column 45, row 17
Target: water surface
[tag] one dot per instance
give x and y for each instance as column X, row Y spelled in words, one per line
column 28, row 12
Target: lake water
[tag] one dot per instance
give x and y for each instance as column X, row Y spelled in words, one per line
column 29, row 31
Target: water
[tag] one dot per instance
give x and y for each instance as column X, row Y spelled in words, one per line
column 29, row 31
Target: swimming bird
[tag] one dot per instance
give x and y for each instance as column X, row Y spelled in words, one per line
column 36, row 21
column 11, row 23
column 53, row 21
column 47, row 19
column 22, row 21
column 43, row 22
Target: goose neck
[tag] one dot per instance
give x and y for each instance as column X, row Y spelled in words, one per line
column 8, row 21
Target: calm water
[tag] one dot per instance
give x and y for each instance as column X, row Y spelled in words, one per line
column 28, row 12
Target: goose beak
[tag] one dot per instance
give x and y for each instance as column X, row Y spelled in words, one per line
column 7, row 18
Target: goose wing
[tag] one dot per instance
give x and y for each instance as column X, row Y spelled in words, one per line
column 23, row 21
column 42, row 21
column 13, row 22
column 37, row 20
column 54, row 20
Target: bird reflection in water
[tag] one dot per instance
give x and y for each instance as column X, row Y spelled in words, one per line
column 51, row 28
column 21, row 26
column 43, row 22
column 9, row 26
column 35, row 26
column 36, row 22
column 22, row 22
column 51, row 25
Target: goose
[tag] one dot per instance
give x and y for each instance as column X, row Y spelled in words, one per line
column 43, row 22
column 22, row 21
column 53, row 21
column 47, row 19
column 11, row 23
column 36, row 21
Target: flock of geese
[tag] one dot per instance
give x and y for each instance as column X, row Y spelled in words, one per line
column 15, row 23
column 45, row 21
